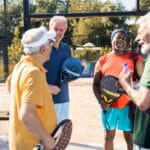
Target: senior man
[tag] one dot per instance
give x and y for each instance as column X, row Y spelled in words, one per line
column 32, row 112
column 141, row 97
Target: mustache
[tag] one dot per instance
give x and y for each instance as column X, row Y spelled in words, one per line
column 145, row 49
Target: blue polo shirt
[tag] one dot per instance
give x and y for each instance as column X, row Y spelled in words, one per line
column 53, row 65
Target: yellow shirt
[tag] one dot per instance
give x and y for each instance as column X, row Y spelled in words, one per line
column 28, row 85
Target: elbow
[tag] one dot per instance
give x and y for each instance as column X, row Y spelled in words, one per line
column 22, row 117
column 95, row 87
column 142, row 100
column 143, row 107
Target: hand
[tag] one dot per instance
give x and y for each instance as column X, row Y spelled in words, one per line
column 54, row 89
column 125, row 78
column 49, row 143
column 84, row 63
column 104, row 105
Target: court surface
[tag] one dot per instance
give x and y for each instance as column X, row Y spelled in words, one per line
column 87, row 133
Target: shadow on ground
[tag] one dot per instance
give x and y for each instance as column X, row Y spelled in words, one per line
column 4, row 146
column 72, row 146
column 77, row 146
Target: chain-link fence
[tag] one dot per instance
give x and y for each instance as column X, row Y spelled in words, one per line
column 9, row 21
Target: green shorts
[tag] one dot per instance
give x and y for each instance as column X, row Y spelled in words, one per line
column 117, row 118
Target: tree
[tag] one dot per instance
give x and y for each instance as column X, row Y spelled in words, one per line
column 15, row 50
column 144, row 5
column 96, row 29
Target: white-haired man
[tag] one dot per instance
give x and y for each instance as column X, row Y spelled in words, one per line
column 141, row 97
column 60, row 52
column 32, row 112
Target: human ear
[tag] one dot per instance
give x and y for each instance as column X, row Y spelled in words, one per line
column 42, row 50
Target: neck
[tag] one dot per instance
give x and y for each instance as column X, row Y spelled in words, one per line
column 56, row 44
column 119, row 52
column 38, row 58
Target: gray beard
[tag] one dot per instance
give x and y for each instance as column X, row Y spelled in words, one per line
column 145, row 49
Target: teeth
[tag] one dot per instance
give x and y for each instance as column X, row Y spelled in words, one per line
column 142, row 43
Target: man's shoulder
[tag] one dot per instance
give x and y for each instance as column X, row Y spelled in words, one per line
column 64, row 47
column 107, row 55
column 64, row 44
column 134, row 55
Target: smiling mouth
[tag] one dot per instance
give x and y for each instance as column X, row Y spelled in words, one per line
column 141, row 43
column 120, row 44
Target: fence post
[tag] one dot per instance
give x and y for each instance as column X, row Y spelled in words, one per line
column 26, row 9
column 5, row 51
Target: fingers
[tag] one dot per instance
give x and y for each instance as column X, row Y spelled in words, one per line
column 129, row 74
column 84, row 63
column 125, row 76
column 125, row 79
column 54, row 89
column 104, row 105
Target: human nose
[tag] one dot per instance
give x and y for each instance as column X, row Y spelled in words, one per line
column 58, row 32
column 137, row 38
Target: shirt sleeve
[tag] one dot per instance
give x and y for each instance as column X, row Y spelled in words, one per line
column 32, row 89
column 145, row 79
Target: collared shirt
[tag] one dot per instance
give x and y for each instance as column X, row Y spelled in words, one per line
column 142, row 119
column 53, row 65
column 28, row 85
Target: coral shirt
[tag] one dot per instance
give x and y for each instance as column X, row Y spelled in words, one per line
column 111, row 64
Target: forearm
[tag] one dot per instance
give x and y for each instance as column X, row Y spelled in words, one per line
column 54, row 89
column 132, row 93
column 96, row 91
column 140, row 98
column 33, row 123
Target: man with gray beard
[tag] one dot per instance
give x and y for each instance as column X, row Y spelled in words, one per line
column 141, row 97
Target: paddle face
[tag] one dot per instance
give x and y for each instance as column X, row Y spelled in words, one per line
column 62, row 136
column 71, row 70
column 110, row 89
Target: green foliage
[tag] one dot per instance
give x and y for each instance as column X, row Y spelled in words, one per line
column 145, row 5
column 50, row 6
column 15, row 50
column 105, row 50
column 1, row 69
column 86, row 54
column 95, row 29
column 14, row 14
column 80, row 30
column 89, row 54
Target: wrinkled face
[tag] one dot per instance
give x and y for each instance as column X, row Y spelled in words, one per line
column 119, row 41
column 60, row 28
column 143, row 38
column 47, row 50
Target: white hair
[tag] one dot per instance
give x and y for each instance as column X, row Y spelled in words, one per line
column 56, row 19
column 144, row 20
column 31, row 36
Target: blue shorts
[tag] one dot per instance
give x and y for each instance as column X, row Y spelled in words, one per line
column 117, row 118
column 62, row 110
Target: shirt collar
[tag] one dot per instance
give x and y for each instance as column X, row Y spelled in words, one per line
column 33, row 61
